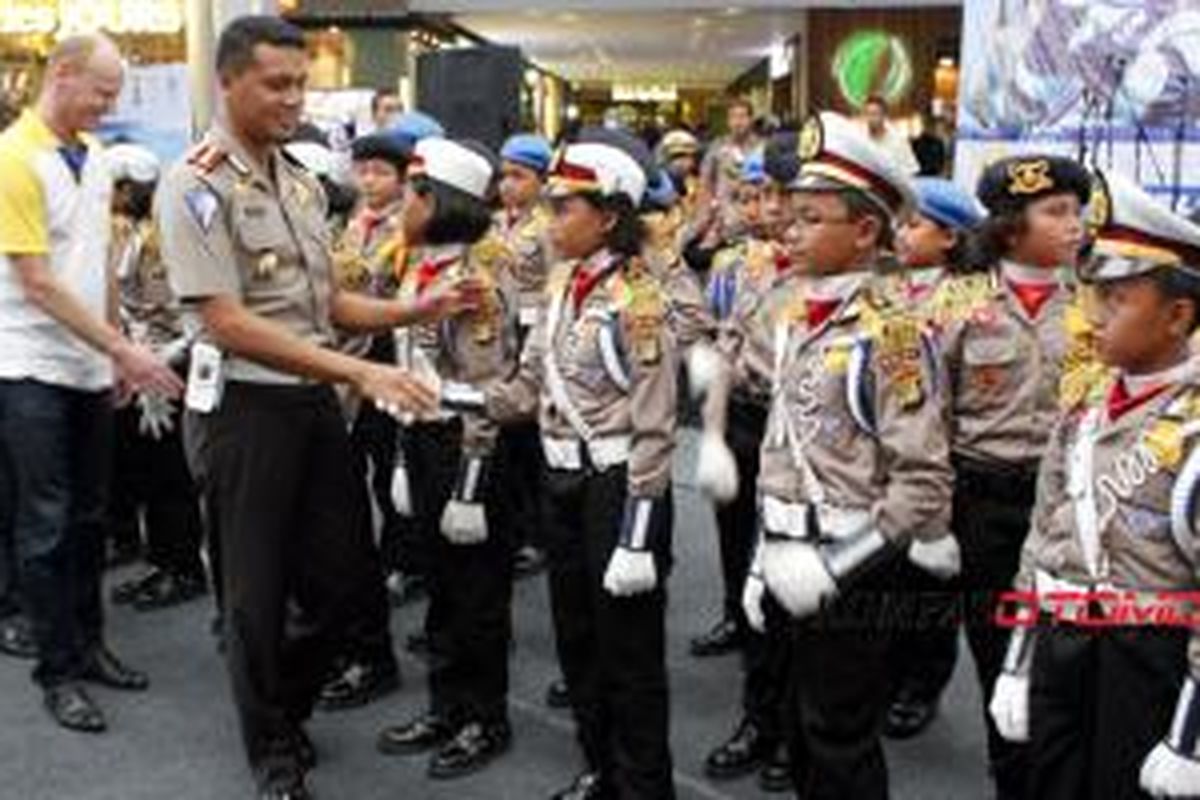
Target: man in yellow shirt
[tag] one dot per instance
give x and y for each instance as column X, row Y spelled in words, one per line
column 59, row 354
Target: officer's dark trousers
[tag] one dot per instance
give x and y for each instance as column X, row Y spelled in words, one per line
column 56, row 444
column 152, row 478
column 992, row 506
column 195, row 449
column 611, row 649
column 838, row 694
column 294, row 526
column 1100, row 700
column 520, row 493
column 925, row 646
column 470, row 587
column 737, row 521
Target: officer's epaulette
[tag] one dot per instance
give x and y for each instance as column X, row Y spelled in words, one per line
column 208, row 155
column 1085, row 378
column 643, row 309
column 1166, row 437
column 961, row 298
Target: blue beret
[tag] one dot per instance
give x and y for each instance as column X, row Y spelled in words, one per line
column 946, row 203
column 413, row 126
column 528, row 150
column 754, row 168
column 660, row 192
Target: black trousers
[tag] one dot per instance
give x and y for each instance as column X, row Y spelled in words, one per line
column 195, row 450
column 152, row 483
column 1099, row 702
column 611, row 649
column 838, row 694
column 470, row 587
column 520, row 493
column 925, row 644
column 10, row 594
column 990, row 518
column 737, row 521
column 295, row 527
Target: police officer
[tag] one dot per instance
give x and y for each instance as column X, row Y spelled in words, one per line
column 852, row 388
column 739, row 281
column 1109, row 701
column 447, row 219
column 600, row 373
column 247, row 249
column 522, row 222
column 1016, row 345
column 152, row 479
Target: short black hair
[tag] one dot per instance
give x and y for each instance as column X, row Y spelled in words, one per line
column 1179, row 284
column 379, row 96
column 627, row 237
column 858, row 205
column 458, row 217
column 743, row 103
column 235, row 48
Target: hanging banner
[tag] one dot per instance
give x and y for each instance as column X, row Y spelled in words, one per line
column 1113, row 82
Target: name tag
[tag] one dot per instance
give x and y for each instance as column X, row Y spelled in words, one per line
column 206, row 379
column 990, row 351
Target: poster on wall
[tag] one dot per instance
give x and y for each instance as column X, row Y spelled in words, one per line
column 153, row 110
column 1115, row 83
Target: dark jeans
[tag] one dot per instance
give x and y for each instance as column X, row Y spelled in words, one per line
column 56, row 444
column 10, row 601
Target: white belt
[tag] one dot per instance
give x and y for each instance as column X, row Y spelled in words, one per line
column 603, row 451
column 790, row 520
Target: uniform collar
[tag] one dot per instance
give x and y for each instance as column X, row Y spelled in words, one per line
column 1025, row 275
column 240, row 160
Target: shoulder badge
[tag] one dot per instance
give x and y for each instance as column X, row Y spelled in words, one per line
column 206, row 156
column 897, row 337
column 643, row 312
column 1084, row 378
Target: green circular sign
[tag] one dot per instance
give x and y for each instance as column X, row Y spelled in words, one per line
column 872, row 63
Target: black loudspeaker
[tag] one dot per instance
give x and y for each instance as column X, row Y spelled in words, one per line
column 474, row 92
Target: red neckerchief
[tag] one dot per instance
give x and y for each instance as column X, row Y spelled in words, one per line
column 1032, row 296
column 783, row 262
column 1120, row 402
column 820, row 309
column 587, row 277
column 429, row 270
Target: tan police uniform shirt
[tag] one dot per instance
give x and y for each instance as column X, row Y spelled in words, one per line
column 150, row 313
column 256, row 232
column 1010, row 374
column 633, row 398
column 367, row 256
column 478, row 347
column 688, row 313
column 527, row 236
column 854, row 422
column 1137, row 464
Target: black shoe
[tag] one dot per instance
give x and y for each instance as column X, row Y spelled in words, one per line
column 107, row 670
column 588, row 786
column 73, row 708
column 171, row 590
column 423, row 734
column 283, row 783
column 122, row 554
column 404, row 588
column 16, row 637
column 358, row 685
column 303, row 749
column 908, row 715
column 724, row 637
column 776, row 774
column 743, row 753
column 471, row 749
column 528, row 561
column 557, row 694
column 125, row 592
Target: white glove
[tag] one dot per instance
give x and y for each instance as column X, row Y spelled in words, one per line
column 175, row 351
column 157, row 415
column 464, row 523
column 752, row 597
column 457, row 396
column 941, row 557
column 797, row 576
column 1010, row 707
column 716, row 469
column 630, row 572
column 1166, row 773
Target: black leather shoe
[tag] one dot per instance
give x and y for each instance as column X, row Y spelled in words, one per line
column 107, row 670
column 557, row 694
column 471, row 749
column 404, row 589
column 303, row 747
column 170, row 590
column 423, row 734
column 417, row 644
column 908, row 716
column 16, row 637
column 73, row 708
column 588, row 786
column 742, row 754
column 286, row 783
column 358, row 685
column 776, row 774
column 528, row 561
column 124, row 592
column 723, row 638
